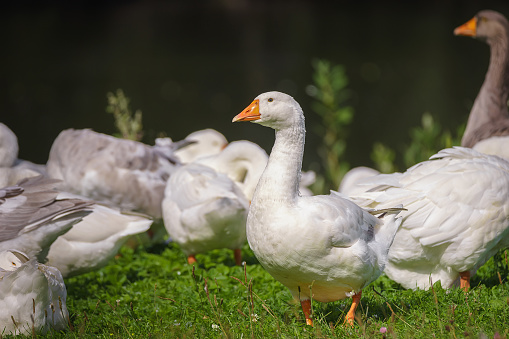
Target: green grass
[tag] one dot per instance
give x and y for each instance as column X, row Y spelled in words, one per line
column 154, row 293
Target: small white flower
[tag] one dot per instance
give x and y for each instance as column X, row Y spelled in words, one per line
column 215, row 327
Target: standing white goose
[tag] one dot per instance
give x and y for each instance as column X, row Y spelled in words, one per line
column 488, row 124
column 125, row 173
column 322, row 247
column 31, row 217
column 206, row 202
column 32, row 295
column 457, row 216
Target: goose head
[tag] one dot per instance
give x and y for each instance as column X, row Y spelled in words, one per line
column 11, row 260
column 272, row 109
column 486, row 25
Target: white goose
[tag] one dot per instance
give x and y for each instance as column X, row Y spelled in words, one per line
column 32, row 295
column 205, row 142
column 92, row 242
column 457, row 216
column 206, row 202
column 125, row 173
column 322, row 247
column 31, row 217
column 488, row 124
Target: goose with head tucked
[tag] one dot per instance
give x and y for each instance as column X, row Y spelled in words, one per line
column 206, row 203
column 32, row 295
column 205, row 142
column 488, row 124
column 322, row 247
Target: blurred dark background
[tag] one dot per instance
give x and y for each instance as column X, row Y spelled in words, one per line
column 190, row 65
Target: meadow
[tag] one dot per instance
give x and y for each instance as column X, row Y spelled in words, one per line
column 153, row 293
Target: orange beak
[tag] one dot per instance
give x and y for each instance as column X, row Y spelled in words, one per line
column 250, row 113
column 468, row 28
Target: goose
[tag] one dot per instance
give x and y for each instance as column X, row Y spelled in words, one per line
column 31, row 217
column 205, row 142
column 118, row 172
column 204, row 209
column 91, row 243
column 322, row 247
column 487, row 128
column 457, row 216
column 205, row 205
column 32, row 295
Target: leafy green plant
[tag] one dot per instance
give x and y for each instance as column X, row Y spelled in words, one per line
column 331, row 94
column 425, row 140
column 128, row 124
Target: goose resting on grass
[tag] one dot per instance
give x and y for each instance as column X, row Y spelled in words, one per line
column 32, row 296
column 93, row 241
column 487, row 129
column 321, row 247
column 31, row 217
column 457, row 216
column 119, row 172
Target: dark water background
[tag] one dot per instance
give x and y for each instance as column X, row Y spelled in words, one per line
column 190, row 65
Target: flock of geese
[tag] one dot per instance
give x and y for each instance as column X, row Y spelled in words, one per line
column 440, row 220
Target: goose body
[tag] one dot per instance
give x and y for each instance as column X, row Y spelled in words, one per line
column 457, row 216
column 203, row 210
column 94, row 241
column 124, row 173
column 31, row 217
column 349, row 184
column 32, row 295
column 324, row 247
column 488, row 123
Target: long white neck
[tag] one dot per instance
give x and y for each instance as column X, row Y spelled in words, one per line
column 279, row 182
column 489, row 115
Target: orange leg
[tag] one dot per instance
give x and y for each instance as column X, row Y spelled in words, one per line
column 237, row 254
column 191, row 259
column 465, row 280
column 350, row 316
column 306, row 307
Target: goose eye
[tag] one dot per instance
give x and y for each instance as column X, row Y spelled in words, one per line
column 13, row 263
column 270, row 100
